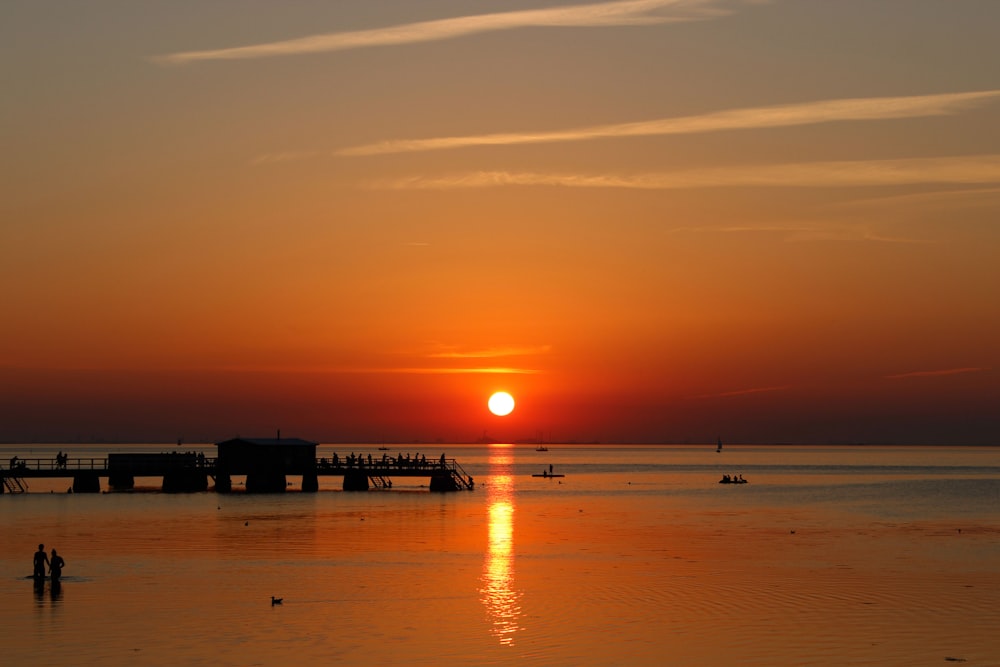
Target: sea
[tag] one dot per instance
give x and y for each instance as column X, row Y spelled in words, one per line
column 828, row 555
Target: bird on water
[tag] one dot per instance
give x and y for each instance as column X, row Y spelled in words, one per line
column 275, row 600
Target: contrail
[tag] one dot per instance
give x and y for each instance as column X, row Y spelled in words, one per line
column 850, row 173
column 788, row 115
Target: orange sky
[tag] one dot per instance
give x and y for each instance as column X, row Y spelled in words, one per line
column 648, row 220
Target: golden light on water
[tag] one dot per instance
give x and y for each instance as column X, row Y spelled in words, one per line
column 499, row 593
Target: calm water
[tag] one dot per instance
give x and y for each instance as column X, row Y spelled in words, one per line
column 829, row 556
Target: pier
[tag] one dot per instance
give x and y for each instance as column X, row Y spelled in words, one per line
column 266, row 464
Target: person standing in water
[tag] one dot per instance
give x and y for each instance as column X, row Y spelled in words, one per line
column 56, row 564
column 41, row 560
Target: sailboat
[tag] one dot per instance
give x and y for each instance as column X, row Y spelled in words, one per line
column 719, row 448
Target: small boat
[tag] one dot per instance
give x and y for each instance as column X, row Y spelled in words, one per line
column 719, row 448
column 548, row 474
column 726, row 479
column 541, row 448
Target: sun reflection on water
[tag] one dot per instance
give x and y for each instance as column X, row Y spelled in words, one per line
column 498, row 594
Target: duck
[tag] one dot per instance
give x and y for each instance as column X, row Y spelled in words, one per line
column 275, row 600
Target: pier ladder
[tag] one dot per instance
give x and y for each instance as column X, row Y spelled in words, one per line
column 14, row 485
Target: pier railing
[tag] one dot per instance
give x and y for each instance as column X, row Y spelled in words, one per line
column 52, row 464
column 123, row 467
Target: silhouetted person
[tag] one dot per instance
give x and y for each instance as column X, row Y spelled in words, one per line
column 41, row 560
column 550, row 468
column 13, row 462
column 56, row 564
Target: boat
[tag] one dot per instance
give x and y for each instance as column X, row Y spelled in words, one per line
column 548, row 474
column 726, row 479
column 541, row 448
column 719, row 448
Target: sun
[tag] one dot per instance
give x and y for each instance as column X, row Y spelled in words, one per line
column 501, row 403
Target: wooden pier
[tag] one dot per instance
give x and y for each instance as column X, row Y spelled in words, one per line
column 186, row 472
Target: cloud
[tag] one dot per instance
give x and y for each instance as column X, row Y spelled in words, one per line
column 949, row 371
column 605, row 14
column 851, row 173
column 417, row 370
column 803, row 233
column 948, row 198
column 493, row 353
column 788, row 115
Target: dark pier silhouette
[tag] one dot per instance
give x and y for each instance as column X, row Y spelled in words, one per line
column 265, row 462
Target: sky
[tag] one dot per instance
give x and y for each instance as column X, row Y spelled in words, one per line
column 648, row 220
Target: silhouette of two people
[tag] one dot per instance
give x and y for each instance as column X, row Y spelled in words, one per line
column 55, row 564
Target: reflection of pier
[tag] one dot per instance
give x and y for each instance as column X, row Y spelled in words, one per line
column 266, row 463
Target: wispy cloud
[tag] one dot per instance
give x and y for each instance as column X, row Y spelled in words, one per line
column 948, row 371
column 320, row 369
column 804, row 232
column 493, row 353
column 950, row 198
column 853, row 173
column 604, row 14
column 788, row 115
column 418, row 370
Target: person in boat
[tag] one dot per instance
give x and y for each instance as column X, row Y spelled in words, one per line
column 56, row 564
column 41, row 560
column 725, row 479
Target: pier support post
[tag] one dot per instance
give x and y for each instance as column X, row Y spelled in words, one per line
column 121, row 481
column 223, row 483
column 310, row 481
column 86, row 482
column 355, row 480
column 443, row 482
column 185, row 481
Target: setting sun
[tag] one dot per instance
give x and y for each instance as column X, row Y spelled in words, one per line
column 501, row 403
